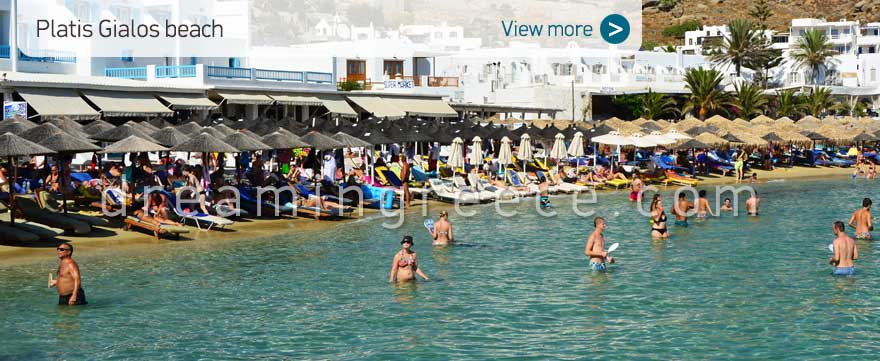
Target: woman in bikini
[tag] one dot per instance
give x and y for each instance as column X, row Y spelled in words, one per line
column 405, row 265
column 658, row 219
column 442, row 230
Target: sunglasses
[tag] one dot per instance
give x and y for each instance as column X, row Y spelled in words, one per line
column 62, row 249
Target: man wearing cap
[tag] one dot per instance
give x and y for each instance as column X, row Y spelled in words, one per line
column 405, row 265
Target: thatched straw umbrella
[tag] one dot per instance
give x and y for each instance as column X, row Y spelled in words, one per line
column 41, row 132
column 784, row 120
column 740, row 122
column 710, row 139
column 133, row 144
column 694, row 144
column 717, row 121
column 12, row 146
column 809, row 122
column 191, row 128
column 169, row 136
column 97, row 126
column 121, row 132
column 321, row 142
column 21, row 123
column 223, row 129
column 762, row 119
column 14, row 127
column 145, row 127
column 245, row 143
column 613, row 122
column 772, row 137
column 159, row 123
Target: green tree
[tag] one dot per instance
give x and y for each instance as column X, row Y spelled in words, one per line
column 706, row 94
column 761, row 12
column 852, row 107
column 788, row 104
column 749, row 99
column 737, row 48
column 656, row 105
column 629, row 105
column 818, row 101
column 764, row 58
column 814, row 51
column 349, row 85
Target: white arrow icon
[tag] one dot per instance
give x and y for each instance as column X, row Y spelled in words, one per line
column 613, row 25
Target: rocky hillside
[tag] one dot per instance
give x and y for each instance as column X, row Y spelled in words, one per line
column 658, row 15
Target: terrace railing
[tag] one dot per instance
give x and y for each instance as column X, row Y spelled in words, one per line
column 228, row 73
column 126, row 73
column 176, row 71
column 278, row 75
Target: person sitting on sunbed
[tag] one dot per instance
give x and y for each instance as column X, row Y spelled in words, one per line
column 318, row 202
column 589, row 178
column 610, row 174
column 4, row 181
column 157, row 207
column 193, row 188
column 500, row 184
column 53, row 181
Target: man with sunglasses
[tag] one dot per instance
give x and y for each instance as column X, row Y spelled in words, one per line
column 68, row 283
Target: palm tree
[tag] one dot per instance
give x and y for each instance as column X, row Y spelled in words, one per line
column 813, row 50
column 852, row 107
column 788, row 104
column 655, row 105
column 749, row 99
column 738, row 47
column 706, row 92
column 818, row 101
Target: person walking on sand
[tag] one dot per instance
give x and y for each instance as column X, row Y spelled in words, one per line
column 404, row 178
column 680, row 209
column 861, row 219
column 442, row 234
column 637, row 187
column 595, row 248
column 703, row 207
column 739, row 164
column 845, row 252
column 405, row 265
column 69, row 280
column 753, row 205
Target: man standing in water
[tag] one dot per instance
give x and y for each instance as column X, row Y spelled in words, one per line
column 69, row 284
column 637, row 185
column 845, row 252
column 680, row 209
column 703, row 207
column 753, row 205
column 861, row 219
column 595, row 248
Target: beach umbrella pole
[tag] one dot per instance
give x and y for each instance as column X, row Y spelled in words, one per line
column 12, row 192
column 64, row 185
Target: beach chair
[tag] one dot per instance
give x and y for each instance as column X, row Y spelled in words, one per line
column 514, row 179
column 158, row 231
column 261, row 208
column 675, row 178
column 445, row 191
column 47, row 201
column 14, row 234
column 30, row 210
column 378, row 197
column 196, row 217
column 461, row 185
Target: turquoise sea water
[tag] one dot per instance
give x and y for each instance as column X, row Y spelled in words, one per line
column 730, row 287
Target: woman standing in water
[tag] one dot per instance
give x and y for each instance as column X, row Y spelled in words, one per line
column 658, row 219
column 405, row 265
column 442, row 230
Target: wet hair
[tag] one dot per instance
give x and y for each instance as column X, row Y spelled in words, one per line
column 444, row 214
column 727, row 199
column 68, row 245
column 702, row 193
column 596, row 221
column 866, row 202
column 755, row 175
column 654, row 202
column 839, row 226
column 681, row 195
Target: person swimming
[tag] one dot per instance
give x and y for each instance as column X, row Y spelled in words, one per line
column 658, row 219
column 595, row 248
column 861, row 219
column 442, row 234
column 727, row 206
column 703, row 206
column 405, row 264
column 845, row 252
column 680, row 209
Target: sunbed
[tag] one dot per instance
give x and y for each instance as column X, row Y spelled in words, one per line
column 48, row 202
column 514, row 179
column 459, row 183
column 32, row 212
column 446, row 192
column 158, row 230
column 197, row 217
column 16, row 234
column 674, row 178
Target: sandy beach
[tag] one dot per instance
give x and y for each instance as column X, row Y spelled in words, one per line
column 119, row 242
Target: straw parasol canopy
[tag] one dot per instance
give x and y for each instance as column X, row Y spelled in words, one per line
column 762, row 119
column 213, row 132
column 375, row 137
column 223, row 129
column 613, row 122
column 350, row 141
column 169, row 136
column 526, row 152
column 687, row 124
column 20, row 122
column 41, row 132
column 710, row 139
column 244, row 142
column 145, row 127
column 133, row 144
column 97, row 126
column 69, row 126
column 772, row 137
column 558, row 150
column 813, row 135
column 718, row 121
column 576, row 148
column 809, row 122
column 121, row 132
column 204, row 143
column 321, row 142
column 833, row 133
column 865, row 137
column 784, row 120
column 159, row 123
column 66, row 143
column 277, row 140
column 693, row 143
column 456, row 157
column 11, row 146
column 190, row 128
column 475, row 157
column 505, row 155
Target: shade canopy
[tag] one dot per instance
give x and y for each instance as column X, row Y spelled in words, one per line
column 223, row 129
column 277, row 140
column 675, row 134
column 378, row 107
column 475, row 157
column 190, row 128
column 375, row 137
column 181, row 101
column 321, row 141
column 505, row 155
column 20, row 124
column 127, row 104
column 772, row 137
column 336, row 105
column 558, row 150
column 52, row 102
column 456, row 157
column 97, row 126
column 423, row 107
column 169, row 136
column 296, row 99
column 246, row 98
column 350, row 141
column 12, row 145
column 525, row 152
column 133, row 144
column 576, row 148
column 865, row 137
column 39, row 133
column 613, row 138
column 122, row 132
column 245, row 143
column 66, row 143
column 693, row 143
column 204, row 143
